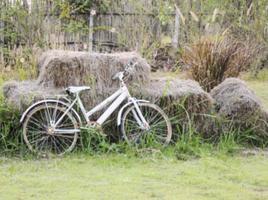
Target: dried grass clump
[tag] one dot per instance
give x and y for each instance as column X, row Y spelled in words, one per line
column 238, row 104
column 211, row 60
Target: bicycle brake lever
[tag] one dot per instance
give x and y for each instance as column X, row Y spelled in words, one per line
column 67, row 91
column 118, row 75
column 130, row 66
column 114, row 77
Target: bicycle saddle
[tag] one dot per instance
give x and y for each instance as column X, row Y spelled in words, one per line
column 76, row 89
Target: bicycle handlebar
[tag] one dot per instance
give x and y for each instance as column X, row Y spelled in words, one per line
column 120, row 75
column 130, row 64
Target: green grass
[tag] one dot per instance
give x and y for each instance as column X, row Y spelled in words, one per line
column 121, row 177
column 259, row 85
column 261, row 90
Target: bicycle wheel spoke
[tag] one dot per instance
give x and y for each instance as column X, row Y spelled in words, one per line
column 67, row 125
column 154, row 117
column 42, row 146
column 65, row 135
column 37, row 123
column 55, row 112
column 59, row 144
column 35, row 128
column 133, row 127
column 150, row 114
column 64, row 120
column 62, row 142
column 56, row 148
column 47, row 113
column 44, row 119
column 159, row 123
column 132, row 122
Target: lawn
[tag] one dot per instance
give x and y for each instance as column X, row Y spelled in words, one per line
column 261, row 90
column 259, row 85
column 121, row 177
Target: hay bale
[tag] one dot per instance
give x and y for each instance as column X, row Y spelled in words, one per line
column 64, row 68
column 186, row 103
column 59, row 69
column 170, row 90
column 237, row 103
column 22, row 94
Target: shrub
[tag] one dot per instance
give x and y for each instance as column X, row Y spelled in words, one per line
column 212, row 59
column 260, row 64
column 10, row 131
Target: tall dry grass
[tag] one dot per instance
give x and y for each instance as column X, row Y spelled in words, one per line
column 212, row 59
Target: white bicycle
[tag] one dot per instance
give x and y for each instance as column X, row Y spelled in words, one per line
column 53, row 125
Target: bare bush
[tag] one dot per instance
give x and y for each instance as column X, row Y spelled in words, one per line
column 212, row 59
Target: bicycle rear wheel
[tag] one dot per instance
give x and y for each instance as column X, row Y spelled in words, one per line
column 160, row 130
column 41, row 135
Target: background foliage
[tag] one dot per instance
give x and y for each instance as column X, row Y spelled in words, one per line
column 26, row 24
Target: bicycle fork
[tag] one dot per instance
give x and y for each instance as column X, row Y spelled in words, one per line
column 139, row 116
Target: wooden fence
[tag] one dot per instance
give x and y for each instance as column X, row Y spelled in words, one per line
column 122, row 28
column 111, row 32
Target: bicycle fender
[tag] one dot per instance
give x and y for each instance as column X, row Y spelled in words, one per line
column 49, row 101
column 119, row 116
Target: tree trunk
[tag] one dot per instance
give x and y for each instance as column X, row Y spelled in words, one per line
column 200, row 14
column 175, row 39
column 25, row 5
column 190, row 6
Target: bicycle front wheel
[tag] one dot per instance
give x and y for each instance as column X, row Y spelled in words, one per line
column 159, row 130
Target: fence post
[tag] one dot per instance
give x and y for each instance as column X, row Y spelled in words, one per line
column 2, row 29
column 2, row 26
column 91, row 26
column 175, row 39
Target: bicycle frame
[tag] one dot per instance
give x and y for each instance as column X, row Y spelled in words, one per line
column 114, row 101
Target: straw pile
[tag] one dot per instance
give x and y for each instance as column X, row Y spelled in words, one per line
column 238, row 104
column 184, row 101
column 22, row 94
